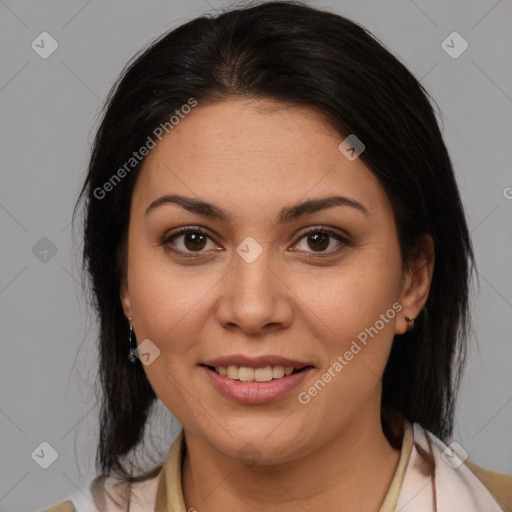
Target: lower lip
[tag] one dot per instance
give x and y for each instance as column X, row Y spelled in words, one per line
column 256, row 392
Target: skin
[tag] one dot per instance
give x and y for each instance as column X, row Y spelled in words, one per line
column 252, row 158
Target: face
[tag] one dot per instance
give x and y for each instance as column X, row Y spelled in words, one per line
column 259, row 284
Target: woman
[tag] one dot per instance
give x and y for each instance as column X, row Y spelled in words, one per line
column 279, row 254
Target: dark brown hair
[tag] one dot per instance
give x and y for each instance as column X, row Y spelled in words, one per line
column 296, row 54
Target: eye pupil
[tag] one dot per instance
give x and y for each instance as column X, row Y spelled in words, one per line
column 196, row 239
column 319, row 240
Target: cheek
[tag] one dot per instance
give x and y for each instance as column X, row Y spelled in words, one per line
column 360, row 313
column 356, row 311
column 166, row 302
column 353, row 297
column 169, row 311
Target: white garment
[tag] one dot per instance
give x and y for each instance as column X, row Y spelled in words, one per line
column 454, row 487
column 143, row 497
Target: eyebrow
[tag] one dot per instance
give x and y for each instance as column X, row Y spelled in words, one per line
column 287, row 214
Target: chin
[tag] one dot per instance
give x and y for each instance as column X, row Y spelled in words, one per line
column 258, row 444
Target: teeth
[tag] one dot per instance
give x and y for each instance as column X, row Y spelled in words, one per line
column 232, row 372
column 263, row 374
column 247, row 374
column 277, row 372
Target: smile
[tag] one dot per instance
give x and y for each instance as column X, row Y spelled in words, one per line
column 248, row 374
column 255, row 385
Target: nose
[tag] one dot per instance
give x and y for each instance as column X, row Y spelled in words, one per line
column 255, row 297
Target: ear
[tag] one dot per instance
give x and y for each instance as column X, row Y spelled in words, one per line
column 416, row 281
column 125, row 299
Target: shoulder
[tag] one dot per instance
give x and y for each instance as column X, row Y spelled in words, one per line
column 498, row 484
column 478, row 481
column 110, row 494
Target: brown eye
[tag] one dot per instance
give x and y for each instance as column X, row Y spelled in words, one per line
column 318, row 240
column 193, row 240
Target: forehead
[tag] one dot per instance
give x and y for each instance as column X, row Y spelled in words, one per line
column 254, row 151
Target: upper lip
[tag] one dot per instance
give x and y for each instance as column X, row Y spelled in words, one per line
column 255, row 362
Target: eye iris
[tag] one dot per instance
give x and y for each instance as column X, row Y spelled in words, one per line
column 196, row 239
column 321, row 241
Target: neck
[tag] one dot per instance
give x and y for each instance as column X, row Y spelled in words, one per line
column 351, row 471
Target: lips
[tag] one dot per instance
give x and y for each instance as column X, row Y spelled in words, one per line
column 255, row 380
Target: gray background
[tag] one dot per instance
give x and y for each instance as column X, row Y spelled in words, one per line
column 49, row 110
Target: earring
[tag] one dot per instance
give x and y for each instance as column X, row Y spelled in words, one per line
column 411, row 321
column 132, row 343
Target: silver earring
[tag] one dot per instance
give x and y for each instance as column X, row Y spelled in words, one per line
column 411, row 321
column 132, row 343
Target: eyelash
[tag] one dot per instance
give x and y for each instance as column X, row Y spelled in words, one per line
column 198, row 230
